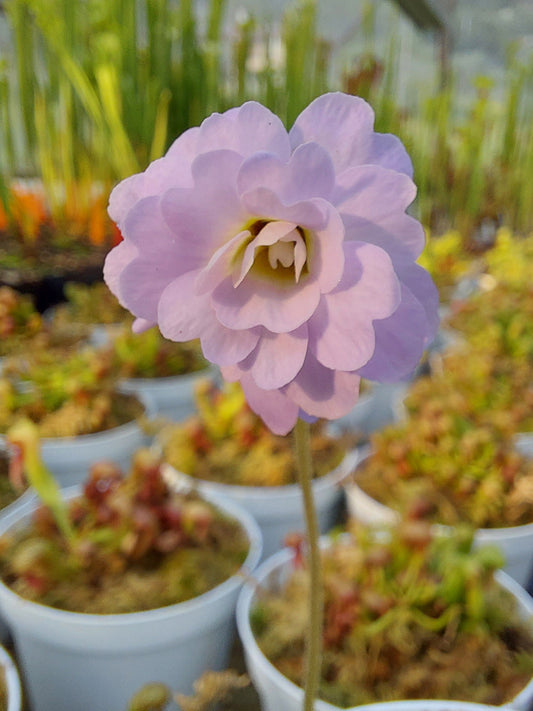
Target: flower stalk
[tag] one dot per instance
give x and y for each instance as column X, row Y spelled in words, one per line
column 313, row 649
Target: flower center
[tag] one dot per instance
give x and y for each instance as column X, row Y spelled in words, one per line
column 282, row 252
column 274, row 250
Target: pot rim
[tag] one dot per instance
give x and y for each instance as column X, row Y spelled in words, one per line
column 335, row 477
column 165, row 379
column 14, row 690
column 145, row 399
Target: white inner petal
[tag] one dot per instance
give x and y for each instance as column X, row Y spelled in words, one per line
column 282, row 252
column 284, row 245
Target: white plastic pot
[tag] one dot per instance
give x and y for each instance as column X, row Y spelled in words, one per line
column 173, row 397
column 277, row 692
column 89, row 662
column 69, row 458
column 375, row 409
column 515, row 542
column 524, row 443
column 278, row 510
column 23, row 503
column 14, row 693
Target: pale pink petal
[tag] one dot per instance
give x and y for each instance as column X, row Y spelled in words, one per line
column 226, row 347
column 373, row 192
column 309, row 173
column 374, row 199
column 388, row 151
column 160, row 259
column 278, row 306
column 400, row 342
column 343, row 125
column 116, row 260
column 124, row 196
column 182, row 315
column 262, row 202
column 185, row 148
column 208, row 215
column 401, row 240
column 277, row 358
column 171, row 171
column 322, row 392
column 247, row 130
column 421, row 285
column 277, row 411
column 140, row 325
column 327, row 250
column 341, row 331
column 219, row 266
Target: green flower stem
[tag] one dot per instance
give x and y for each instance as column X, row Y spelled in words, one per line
column 313, row 648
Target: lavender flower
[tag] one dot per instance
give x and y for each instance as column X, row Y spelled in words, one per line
column 289, row 255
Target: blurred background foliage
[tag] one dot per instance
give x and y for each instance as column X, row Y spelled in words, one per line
column 92, row 90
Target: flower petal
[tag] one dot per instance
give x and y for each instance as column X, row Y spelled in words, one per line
column 327, row 249
column 279, row 307
column 262, row 202
column 309, row 173
column 341, row 331
column 277, row 411
column 245, row 130
column 322, row 392
column 224, row 346
column 219, row 265
column 117, row 260
column 388, row 151
column 372, row 202
column 160, row 259
column 277, row 358
column 140, row 325
column 343, row 125
column 421, row 285
column 207, row 215
column 183, row 315
column 400, row 341
column 171, row 171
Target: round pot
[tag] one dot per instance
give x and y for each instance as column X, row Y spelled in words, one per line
column 375, row 408
column 173, row 397
column 97, row 662
column 12, row 681
column 278, row 510
column 524, row 443
column 515, row 542
column 69, row 458
column 277, row 692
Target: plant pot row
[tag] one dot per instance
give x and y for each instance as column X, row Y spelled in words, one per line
column 101, row 660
